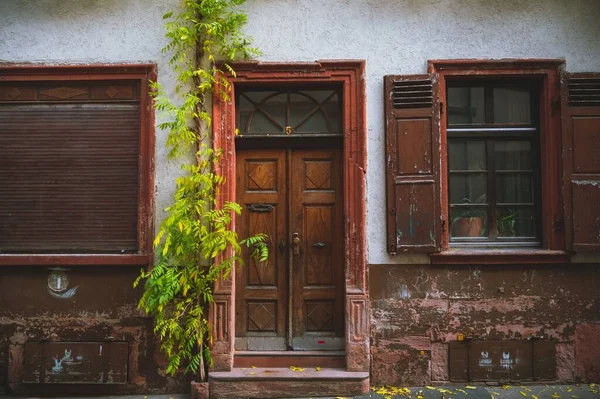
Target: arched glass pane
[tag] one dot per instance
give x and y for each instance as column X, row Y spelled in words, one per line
column 315, row 112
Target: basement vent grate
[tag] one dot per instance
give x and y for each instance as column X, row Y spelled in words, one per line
column 584, row 92
column 413, row 94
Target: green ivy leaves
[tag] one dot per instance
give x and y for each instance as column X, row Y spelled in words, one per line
column 196, row 243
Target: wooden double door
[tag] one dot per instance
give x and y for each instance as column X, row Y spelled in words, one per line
column 293, row 300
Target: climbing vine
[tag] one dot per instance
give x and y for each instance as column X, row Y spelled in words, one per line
column 195, row 244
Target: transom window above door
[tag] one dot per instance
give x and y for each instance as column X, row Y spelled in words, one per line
column 493, row 162
column 291, row 112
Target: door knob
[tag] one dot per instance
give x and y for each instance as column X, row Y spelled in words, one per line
column 296, row 244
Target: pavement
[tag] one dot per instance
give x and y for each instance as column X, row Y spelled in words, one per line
column 575, row 391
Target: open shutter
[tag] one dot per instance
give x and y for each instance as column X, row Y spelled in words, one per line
column 412, row 164
column 581, row 138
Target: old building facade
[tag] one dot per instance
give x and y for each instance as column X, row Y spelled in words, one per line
column 427, row 172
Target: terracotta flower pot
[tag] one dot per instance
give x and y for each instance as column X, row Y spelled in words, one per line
column 468, row 227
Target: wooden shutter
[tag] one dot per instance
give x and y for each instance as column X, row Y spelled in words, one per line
column 412, row 164
column 581, row 140
column 69, row 168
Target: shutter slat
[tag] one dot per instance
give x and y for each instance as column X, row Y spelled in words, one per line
column 581, row 135
column 69, row 177
column 412, row 94
column 412, row 164
column 584, row 92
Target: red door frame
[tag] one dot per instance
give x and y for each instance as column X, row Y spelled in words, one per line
column 350, row 74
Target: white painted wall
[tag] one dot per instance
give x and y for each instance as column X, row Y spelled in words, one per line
column 393, row 36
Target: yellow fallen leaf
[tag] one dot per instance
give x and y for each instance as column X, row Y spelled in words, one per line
column 525, row 388
column 420, row 397
column 294, row 368
column 523, row 393
column 253, row 367
column 534, row 397
column 318, row 368
column 569, row 389
column 463, row 391
column 432, row 388
column 555, row 395
column 470, row 387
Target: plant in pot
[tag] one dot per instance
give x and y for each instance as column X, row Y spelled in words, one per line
column 470, row 222
column 507, row 223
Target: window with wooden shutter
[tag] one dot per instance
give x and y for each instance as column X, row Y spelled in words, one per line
column 412, row 164
column 75, row 165
column 581, row 136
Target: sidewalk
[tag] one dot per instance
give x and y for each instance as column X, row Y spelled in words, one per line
column 575, row 391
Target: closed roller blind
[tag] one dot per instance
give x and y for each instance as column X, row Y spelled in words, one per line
column 69, row 177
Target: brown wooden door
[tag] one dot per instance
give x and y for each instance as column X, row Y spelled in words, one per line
column 294, row 300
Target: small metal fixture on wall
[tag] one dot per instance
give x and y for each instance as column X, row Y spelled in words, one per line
column 58, row 283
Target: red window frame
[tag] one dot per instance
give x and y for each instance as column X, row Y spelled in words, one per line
column 143, row 73
column 547, row 73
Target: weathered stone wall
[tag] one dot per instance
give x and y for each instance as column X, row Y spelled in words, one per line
column 416, row 310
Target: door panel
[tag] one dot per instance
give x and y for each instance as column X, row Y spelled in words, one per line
column 261, row 301
column 316, row 215
column 294, row 300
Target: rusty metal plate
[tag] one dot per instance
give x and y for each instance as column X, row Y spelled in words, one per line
column 75, row 362
column 458, row 358
column 500, row 360
column 544, row 360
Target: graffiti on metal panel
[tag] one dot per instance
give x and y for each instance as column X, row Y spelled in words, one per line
column 67, row 359
column 485, row 360
column 506, row 362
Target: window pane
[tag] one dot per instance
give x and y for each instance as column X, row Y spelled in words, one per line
column 270, row 112
column 466, row 105
column 512, row 105
column 515, row 222
column 468, row 188
column 513, row 155
column 469, row 222
column 467, row 155
column 511, row 188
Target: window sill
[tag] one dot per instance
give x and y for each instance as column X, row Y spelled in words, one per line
column 518, row 256
column 74, row 260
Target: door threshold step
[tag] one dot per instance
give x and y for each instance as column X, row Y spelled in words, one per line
column 280, row 382
column 330, row 359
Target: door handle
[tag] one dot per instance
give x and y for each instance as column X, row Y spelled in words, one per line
column 282, row 246
column 296, row 244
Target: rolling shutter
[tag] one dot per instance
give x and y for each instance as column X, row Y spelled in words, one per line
column 69, row 168
column 581, row 138
column 412, row 164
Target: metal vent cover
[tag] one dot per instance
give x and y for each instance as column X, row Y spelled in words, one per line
column 412, row 94
column 584, row 92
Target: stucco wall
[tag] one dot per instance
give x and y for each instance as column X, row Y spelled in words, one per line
column 92, row 32
column 399, row 36
column 394, row 37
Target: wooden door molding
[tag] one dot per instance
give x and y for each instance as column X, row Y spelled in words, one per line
column 350, row 76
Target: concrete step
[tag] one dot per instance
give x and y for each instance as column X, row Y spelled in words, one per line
column 279, row 382
column 323, row 359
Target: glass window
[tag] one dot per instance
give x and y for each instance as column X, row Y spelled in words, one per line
column 289, row 112
column 493, row 164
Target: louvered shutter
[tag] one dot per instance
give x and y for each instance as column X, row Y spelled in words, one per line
column 581, row 138
column 69, row 168
column 412, row 164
